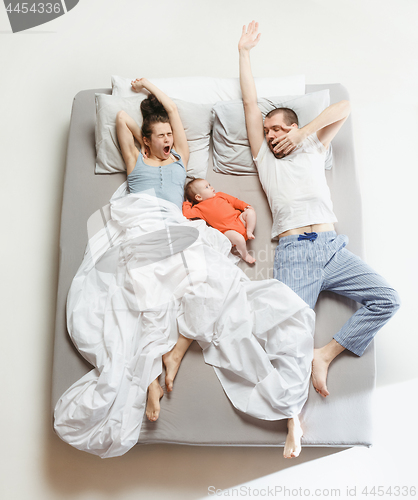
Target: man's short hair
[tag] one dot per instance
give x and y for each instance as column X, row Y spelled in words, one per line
column 289, row 116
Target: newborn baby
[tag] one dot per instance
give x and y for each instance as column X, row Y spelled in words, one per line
column 233, row 217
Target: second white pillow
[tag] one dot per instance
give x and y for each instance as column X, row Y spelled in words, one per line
column 231, row 149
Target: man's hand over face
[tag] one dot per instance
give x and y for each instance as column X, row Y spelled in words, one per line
column 285, row 145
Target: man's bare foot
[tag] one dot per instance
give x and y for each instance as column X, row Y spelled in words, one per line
column 171, row 362
column 155, row 393
column 320, row 366
column 250, row 236
column 293, row 446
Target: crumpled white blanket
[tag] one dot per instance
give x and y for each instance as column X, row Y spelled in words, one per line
column 148, row 274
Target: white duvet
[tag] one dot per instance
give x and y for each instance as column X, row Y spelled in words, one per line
column 148, row 274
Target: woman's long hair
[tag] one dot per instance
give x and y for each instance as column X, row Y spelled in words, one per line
column 152, row 112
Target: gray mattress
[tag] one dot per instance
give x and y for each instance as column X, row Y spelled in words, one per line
column 198, row 412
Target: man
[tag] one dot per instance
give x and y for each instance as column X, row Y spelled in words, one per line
column 310, row 256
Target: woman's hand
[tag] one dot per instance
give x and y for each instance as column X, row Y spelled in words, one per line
column 249, row 37
column 138, row 84
column 289, row 143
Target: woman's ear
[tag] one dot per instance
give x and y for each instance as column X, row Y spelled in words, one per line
column 146, row 146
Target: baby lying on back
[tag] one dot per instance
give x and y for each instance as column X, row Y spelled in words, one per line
column 233, row 217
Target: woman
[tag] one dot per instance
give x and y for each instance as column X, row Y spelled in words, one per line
column 160, row 166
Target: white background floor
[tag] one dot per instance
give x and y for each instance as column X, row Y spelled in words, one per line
column 371, row 48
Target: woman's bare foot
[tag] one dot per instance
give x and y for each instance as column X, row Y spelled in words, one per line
column 320, row 366
column 155, row 393
column 293, row 446
column 171, row 362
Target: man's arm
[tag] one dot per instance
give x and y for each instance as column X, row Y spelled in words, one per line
column 330, row 121
column 326, row 125
column 253, row 117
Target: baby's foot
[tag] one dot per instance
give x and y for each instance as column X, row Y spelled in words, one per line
column 293, row 446
column 155, row 393
column 248, row 258
column 172, row 364
column 250, row 236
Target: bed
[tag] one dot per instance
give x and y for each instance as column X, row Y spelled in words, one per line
column 197, row 412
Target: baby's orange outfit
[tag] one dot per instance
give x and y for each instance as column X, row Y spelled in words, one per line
column 221, row 212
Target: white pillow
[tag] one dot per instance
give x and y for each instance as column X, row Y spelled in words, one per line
column 210, row 90
column 197, row 120
column 231, row 149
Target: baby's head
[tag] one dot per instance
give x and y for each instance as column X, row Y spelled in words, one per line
column 199, row 190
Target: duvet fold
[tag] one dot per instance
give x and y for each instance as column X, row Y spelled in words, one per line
column 149, row 274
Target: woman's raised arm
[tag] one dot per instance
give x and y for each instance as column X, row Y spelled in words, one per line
column 127, row 130
column 179, row 135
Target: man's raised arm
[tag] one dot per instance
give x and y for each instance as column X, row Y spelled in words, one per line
column 326, row 125
column 253, row 117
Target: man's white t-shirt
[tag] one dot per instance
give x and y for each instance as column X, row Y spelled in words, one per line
column 296, row 187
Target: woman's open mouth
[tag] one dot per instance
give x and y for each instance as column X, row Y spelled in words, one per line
column 167, row 150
